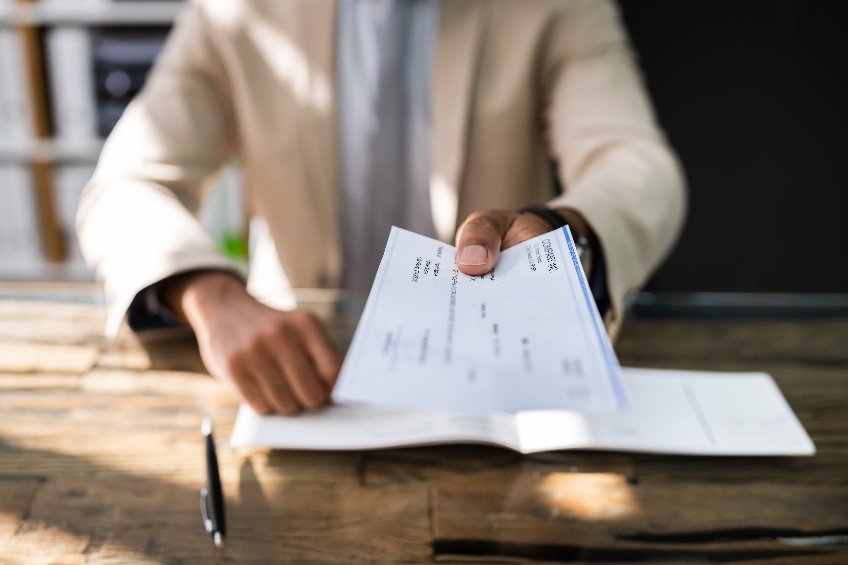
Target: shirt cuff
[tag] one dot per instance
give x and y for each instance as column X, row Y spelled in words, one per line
column 148, row 313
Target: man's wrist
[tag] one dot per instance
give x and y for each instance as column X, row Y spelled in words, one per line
column 190, row 295
column 577, row 225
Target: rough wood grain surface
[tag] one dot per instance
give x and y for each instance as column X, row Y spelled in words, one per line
column 101, row 461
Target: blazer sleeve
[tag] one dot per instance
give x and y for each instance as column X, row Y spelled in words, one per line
column 136, row 220
column 617, row 169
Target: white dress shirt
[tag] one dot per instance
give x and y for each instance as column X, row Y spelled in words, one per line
column 385, row 54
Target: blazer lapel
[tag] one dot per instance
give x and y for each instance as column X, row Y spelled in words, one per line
column 317, row 124
column 454, row 78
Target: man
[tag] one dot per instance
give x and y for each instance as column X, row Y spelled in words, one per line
column 348, row 116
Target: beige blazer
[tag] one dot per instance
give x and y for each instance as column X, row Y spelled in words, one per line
column 515, row 83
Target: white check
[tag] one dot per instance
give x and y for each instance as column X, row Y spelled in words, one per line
column 526, row 336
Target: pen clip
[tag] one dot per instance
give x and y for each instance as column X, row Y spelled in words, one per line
column 205, row 513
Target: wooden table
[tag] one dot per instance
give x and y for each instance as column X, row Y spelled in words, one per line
column 101, row 461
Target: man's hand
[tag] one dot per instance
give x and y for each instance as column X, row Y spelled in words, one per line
column 278, row 361
column 483, row 235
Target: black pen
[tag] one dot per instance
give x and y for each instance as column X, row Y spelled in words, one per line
column 212, row 497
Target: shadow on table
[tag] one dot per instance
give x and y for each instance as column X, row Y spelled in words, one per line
column 63, row 505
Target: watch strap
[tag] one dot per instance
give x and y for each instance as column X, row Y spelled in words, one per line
column 555, row 220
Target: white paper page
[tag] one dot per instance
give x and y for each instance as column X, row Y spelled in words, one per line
column 678, row 412
column 370, row 427
column 684, row 412
column 526, row 336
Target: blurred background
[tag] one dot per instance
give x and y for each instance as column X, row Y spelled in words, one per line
column 751, row 94
column 68, row 69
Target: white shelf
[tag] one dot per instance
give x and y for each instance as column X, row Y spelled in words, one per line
column 84, row 152
column 74, row 149
column 85, row 14
column 47, row 272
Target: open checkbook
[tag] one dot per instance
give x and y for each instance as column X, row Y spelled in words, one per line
column 517, row 358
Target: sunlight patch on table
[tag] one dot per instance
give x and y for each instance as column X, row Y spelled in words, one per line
column 588, row 496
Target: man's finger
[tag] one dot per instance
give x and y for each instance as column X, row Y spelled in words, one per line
column 526, row 226
column 325, row 355
column 302, row 378
column 478, row 242
column 271, row 382
column 279, row 395
column 247, row 386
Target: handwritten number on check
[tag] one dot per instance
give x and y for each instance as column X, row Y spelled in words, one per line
column 526, row 336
